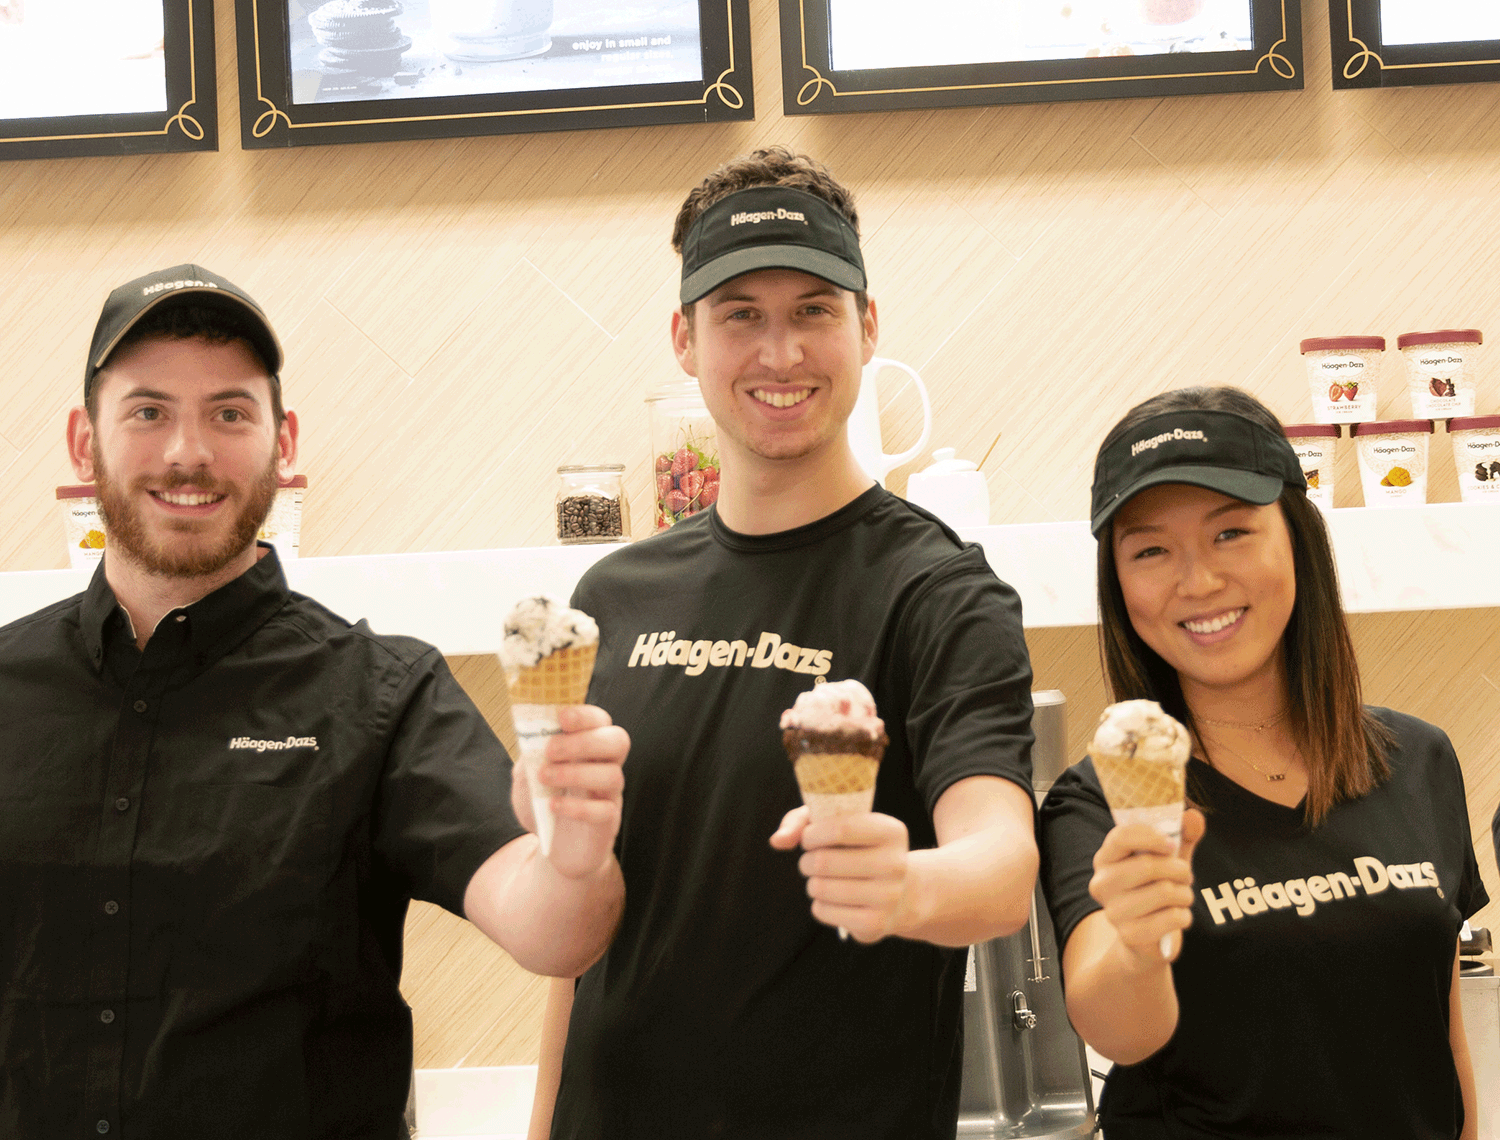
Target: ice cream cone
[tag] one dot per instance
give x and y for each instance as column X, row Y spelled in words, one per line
column 1140, row 755
column 548, row 654
column 836, row 783
column 835, row 741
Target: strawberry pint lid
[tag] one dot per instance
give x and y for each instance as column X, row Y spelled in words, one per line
column 1344, row 344
column 1297, row 431
column 1393, row 427
column 81, row 491
column 1441, row 336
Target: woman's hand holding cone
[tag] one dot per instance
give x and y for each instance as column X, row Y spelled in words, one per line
column 1145, row 885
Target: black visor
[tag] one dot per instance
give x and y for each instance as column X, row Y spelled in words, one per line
column 1220, row 451
column 769, row 227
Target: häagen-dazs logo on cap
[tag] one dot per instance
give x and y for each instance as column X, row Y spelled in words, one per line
column 755, row 217
column 1166, row 437
column 160, row 286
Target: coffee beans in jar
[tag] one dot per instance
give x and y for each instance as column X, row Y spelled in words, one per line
column 590, row 505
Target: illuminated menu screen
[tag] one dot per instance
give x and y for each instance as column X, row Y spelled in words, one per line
column 81, row 57
column 344, row 50
column 1438, row 21
column 870, row 34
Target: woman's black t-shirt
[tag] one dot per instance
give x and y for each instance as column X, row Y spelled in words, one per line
column 1313, row 985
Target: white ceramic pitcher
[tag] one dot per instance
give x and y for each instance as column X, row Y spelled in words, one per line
column 864, row 422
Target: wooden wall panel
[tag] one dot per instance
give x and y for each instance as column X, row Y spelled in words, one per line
column 463, row 315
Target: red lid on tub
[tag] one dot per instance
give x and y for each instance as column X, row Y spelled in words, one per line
column 1296, row 431
column 1441, row 336
column 294, row 481
column 1344, row 344
column 1393, row 427
column 1470, row 423
column 81, row 491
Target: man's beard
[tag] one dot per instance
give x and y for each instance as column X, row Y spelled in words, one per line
column 126, row 530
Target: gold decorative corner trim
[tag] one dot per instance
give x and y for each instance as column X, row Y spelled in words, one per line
column 266, row 122
column 813, row 88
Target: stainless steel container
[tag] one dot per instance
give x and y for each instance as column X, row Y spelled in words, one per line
column 1025, row 1074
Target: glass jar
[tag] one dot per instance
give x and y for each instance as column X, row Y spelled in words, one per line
column 590, row 504
column 684, row 452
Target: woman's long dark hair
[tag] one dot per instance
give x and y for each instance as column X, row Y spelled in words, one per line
column 1343, row 745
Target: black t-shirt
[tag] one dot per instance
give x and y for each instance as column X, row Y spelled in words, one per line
column 1313, row 984
column 723, row 1008
column 207, row 850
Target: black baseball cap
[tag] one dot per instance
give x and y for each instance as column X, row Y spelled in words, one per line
column 769, row 227
column 182, row 284
column 1221, row 451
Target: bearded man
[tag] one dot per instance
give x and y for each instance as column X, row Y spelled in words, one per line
column 219, row 798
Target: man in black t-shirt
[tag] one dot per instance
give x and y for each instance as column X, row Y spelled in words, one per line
column 727, row 1005
column 217, row 798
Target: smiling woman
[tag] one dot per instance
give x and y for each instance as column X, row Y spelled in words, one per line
column 1323, row 879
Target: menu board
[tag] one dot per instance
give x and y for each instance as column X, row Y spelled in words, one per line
column 81, row 57
column 871, row 34
column 1402, row 43
column 339, row 71
column 1438, row 21
column 885, row 55
column 350, row 50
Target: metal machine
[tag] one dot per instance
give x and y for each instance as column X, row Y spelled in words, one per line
column 1025, row 1073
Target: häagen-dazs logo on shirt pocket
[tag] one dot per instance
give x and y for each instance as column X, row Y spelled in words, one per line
column 284, row 745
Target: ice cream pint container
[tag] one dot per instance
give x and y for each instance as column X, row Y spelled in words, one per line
column 1341, row 377
column 1393, row 462
column 1476, row 454
column 82, row 526
column 283, row 526
column 1440, row 371
column 1314, row 445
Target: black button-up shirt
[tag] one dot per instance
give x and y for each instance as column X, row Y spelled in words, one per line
column 207, row 850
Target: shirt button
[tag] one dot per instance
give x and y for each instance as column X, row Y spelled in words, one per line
column 139, row 706
column 106, row 1015
column 102, row 1127
column 111, row 907
column 122, row 804
column 182, row 617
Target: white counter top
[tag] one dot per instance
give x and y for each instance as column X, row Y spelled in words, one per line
column 1440, row 556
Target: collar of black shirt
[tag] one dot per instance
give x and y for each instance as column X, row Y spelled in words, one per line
column 215, row 623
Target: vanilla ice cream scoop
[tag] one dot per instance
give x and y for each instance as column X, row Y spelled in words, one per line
column 1140, row 729
column 542, row 625
column 839, row 706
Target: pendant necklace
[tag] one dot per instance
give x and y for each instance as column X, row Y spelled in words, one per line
column 1257, row 728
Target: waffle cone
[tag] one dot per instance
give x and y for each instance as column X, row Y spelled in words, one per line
column 560, row 678
column 835, row 773
column 1136, row 781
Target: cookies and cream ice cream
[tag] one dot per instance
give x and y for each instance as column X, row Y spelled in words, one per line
column 542, row 625
column 548, row 655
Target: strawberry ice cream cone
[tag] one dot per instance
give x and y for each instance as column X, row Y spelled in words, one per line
column 835, row 741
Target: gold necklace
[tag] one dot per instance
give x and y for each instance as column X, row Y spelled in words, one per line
column 1253, row 727
column 1271, row 777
